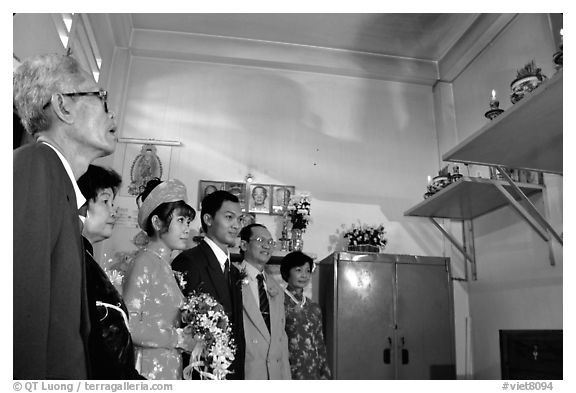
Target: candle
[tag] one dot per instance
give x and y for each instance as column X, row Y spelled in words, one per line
column 493, row 101
column 561, row 38
column 429, row 179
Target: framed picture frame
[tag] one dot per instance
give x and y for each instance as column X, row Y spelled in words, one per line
column 141, row 163
column 238, row 189
column 259, row 198
column 281, row 195
column 206, row 187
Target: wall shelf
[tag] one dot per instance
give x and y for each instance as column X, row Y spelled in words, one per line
column 468, row 198
column 526, row 136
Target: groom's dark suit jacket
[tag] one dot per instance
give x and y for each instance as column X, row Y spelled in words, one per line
column 203, row 273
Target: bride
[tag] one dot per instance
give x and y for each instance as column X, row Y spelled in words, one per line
column 151, row 292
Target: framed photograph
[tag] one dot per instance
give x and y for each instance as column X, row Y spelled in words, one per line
column 238, row 189
column 259, row 198
column 281, row 197
column 206, row 187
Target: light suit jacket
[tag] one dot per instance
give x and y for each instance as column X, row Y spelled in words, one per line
column 266, row 353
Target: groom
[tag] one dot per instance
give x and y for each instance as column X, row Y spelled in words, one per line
column 207, row 267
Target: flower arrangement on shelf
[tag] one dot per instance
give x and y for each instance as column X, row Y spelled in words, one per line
column 527, row 79
column 366, row 235
column 205, row 319
column 298, row 212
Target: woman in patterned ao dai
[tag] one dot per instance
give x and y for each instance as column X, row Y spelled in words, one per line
column 303, row 321
column 151, row 292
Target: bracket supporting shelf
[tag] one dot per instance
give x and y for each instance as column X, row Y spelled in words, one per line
column 471, row 257
column 531, row 215
column 535, row 214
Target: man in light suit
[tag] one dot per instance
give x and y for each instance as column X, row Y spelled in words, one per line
column 263, row 302
column 206, row 267
column 61, row 106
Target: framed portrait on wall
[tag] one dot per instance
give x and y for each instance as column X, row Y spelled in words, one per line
column 238, row 189
column 281, row 197
column 206, row 187
column 259, row 198
column 143, row 162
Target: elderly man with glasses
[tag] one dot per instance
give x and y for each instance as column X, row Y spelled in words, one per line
column 263, row 303
column 66, row 113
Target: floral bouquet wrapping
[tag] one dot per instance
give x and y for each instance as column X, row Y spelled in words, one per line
column 205, row 319
column 298, row 211
column 366, row 235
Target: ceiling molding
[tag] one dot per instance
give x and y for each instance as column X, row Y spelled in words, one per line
column 225, row 50
column 121, row 29
column 479, row 36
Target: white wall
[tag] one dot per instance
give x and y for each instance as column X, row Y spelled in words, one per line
column 517, row 288
column 362, row 148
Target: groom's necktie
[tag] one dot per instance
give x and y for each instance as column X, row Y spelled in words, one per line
column 264, row 305
column 227, row 272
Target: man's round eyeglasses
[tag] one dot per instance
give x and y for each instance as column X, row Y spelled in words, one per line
column 262, row 241
column 101, row 94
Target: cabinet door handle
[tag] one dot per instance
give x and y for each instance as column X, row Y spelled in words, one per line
column 387, row 352
column 404, row 353
column 405, row 357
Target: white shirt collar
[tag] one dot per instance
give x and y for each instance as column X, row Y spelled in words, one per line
column 80, row 200
column 220, row 255
column 252, row 271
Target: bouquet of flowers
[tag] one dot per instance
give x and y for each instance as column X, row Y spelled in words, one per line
column 206, row 320
column 298, row 211
column 366, row 235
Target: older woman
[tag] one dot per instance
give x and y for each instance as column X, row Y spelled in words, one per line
column 151, row 291
column 110, row 349
column 303, row 321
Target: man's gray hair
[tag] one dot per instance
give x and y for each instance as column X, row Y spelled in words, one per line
column 34, row 82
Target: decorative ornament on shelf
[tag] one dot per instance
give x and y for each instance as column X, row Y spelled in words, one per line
column 443, row 180
column 298, row 213
column 558, row 56
column 494, row 110
column 366, row 238
column 527, row 79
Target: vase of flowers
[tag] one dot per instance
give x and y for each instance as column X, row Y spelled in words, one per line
column 298, row 214
column 366, row 238
column 527, row 79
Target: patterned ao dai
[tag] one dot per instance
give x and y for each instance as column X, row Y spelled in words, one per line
column 305, row 338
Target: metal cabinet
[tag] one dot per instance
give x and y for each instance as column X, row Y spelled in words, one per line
column 387, row 316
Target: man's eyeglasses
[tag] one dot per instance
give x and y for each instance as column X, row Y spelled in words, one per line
column 101, row 94
column 262, row 241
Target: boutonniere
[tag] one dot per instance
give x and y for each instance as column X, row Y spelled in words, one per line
column 273, row 291
column 243, row 277
column 180, row 279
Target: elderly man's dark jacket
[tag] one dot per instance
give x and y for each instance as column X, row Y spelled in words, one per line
column 51, row 322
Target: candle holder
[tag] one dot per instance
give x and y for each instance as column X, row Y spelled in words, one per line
column 558, row 58
column 494, row 111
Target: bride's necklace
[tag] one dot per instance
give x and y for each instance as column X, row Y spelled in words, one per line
column 298, row 302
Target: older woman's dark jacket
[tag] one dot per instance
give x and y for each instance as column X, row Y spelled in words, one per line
column 110, row 349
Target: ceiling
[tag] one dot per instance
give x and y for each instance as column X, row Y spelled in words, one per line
column 413, row 36
column 411, row 48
